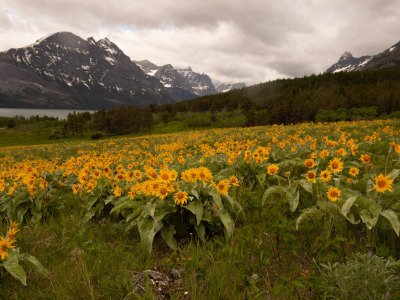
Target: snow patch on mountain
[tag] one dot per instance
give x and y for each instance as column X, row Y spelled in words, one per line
column 385, row 59
column 186, row 78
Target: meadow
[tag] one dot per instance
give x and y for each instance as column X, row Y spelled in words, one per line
column 296, row 211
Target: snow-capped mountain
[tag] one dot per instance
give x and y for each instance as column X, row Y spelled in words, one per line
column 223, row 87
column 66, row 71
column 187, row 79
column 388, row 58
column 148, row 67
column 63, row 70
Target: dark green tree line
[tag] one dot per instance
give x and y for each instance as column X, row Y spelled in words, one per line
column 300, row 99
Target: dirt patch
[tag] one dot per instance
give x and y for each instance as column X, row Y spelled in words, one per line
column 161, row 284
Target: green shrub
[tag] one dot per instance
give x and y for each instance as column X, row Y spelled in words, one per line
column 198, row 120
column 96, row 136
column 362, row 277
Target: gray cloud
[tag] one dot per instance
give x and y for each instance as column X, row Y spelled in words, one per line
column 4, row 21
column 251, row 41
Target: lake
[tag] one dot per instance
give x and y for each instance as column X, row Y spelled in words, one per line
column 27, row 112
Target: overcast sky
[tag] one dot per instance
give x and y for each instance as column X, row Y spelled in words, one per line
column 230, row 40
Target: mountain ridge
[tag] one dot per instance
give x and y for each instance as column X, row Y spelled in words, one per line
column 63, row 70
column 198, row 83
column 386, row 59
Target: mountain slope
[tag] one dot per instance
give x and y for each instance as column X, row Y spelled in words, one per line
column 25, row 88
column 200, row 84
column 223, row 87
column 388, row 58
column 193, row 82
column 63, row 70
column 147, row 66
column 87, row 73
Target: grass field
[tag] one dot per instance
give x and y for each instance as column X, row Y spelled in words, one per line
column 300, row 211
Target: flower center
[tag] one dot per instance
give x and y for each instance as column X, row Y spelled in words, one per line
column 381, row 183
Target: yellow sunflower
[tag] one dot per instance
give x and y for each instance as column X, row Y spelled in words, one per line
column 336, row 165
column 223, row 187
column 333, row 194
column 234, row 180
column 324, row 153
column 325, row 175
column 383, row 183
column 5, row 244
column 12, row 232
column 311, row 176
column 365, row 158
column 117, row 191
column 181, row 198
column 309, row 163
column 354, row 171
column 272, row 169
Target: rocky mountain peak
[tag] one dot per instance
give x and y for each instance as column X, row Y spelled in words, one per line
column 346, row 55
column 167, row 67
column 91, row 40
column 91, row 74
column 188, row 69
column 63, row 70
column 386, row 59
column 63, row 38
column 186, row 79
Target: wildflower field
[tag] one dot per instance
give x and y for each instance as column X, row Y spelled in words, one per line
column 258, row 212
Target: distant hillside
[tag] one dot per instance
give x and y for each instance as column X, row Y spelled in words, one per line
column 387, row 59
column 187, row 79
column 300, row 99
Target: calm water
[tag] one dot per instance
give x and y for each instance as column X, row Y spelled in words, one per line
column 27, row 112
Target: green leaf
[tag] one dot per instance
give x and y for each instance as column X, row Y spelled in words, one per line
column 194, row 193
column 362, row 201
column 111, row 198
column 31, row 259
column 89, row 214
column 150, row 222
column 148, row 228
column 306, row 185
column 307, row 213
column 230, row 201
column 133, row 215
column 293, row 199
column 38, row 203
column 36, row 215
column 21, row 213
column 375, row 209
column 217, row 200
column 151, row 208
column 167, row 234
column 196, row 207
column 201, row 232
column 237, row 207
column 12, row 266
column 394, row 174
column 347, row 205
column 350, row 217
column 163, row 210
column 229, row 225
column 124, row 204
column 91, row 200
column 368, row 219
column 393, row 219
column 261, row 178
column 207, row 215
column 270, row 191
